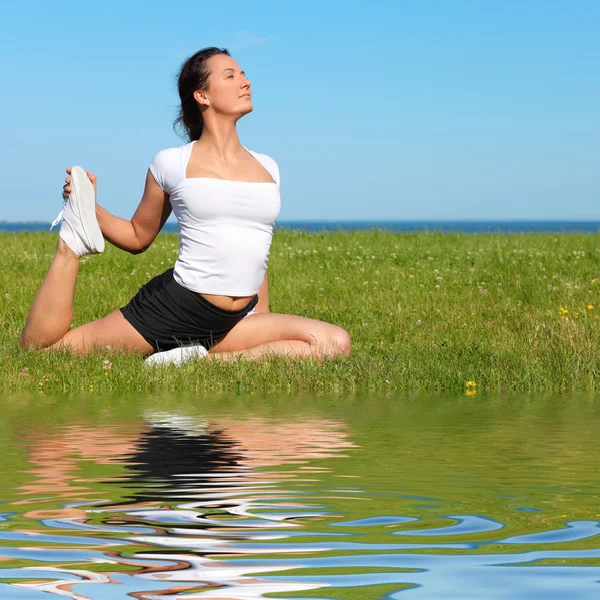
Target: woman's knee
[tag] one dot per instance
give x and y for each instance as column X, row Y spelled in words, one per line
column 28, row 342
column 335, row 341
column 341, row 341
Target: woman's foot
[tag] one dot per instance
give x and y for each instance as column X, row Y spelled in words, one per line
column 79, row 228
column 177, row 356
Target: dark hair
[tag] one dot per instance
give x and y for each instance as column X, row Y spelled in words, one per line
column 193, row 76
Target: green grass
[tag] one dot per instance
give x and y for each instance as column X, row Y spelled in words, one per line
column 425, row 311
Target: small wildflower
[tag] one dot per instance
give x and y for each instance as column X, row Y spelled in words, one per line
column 25, row 372
column 419, row 322
column 106, row 365
column 590, row 306
column 470, row 384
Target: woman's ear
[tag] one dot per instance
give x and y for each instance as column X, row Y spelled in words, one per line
column 201, row 98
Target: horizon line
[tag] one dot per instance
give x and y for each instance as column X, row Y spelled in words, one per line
column 463, row 220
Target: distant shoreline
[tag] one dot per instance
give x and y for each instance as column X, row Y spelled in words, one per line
column 462, row 225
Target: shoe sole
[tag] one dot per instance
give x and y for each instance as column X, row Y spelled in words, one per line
column 85, row 200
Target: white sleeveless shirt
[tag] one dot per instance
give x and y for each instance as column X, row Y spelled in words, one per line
column 225, row 226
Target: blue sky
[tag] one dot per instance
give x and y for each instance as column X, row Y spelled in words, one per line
column 381, row 110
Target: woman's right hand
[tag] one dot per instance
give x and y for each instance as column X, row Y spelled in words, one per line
column 67, row 186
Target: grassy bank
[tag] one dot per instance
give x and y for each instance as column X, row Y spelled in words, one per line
column 428, row 311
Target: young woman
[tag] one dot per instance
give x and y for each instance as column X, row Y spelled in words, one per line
column 214, row 302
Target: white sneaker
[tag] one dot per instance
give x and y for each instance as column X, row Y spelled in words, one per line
column 176, row 356
column 79, row 228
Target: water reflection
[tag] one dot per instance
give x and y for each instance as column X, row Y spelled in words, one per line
column 368, row 499
column 202, row 475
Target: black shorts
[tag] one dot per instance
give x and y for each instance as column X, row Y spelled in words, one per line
column 168, row 315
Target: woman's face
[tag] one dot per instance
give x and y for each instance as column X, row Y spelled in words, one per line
column 228, row 87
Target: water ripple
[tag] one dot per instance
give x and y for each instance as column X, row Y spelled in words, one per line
column 174, row 505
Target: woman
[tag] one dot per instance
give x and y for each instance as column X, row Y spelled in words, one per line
column 214, row 303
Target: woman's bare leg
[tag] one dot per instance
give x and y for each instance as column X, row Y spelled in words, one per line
column 51, row 313
column 263, row 334
column 292, row 348
column 113, row 331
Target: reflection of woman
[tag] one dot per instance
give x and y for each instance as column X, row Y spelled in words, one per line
column 174, row 447
column 165, row 446
column 226, row 199
column 173, row 458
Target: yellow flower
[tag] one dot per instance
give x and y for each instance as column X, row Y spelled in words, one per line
column 564, row 311
column 593, row 281
column 590, row 306
column 470, row 392
column 470, row 384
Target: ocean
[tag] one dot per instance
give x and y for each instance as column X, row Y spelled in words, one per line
column 466, row 226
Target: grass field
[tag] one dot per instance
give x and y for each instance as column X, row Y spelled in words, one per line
column 425, row 311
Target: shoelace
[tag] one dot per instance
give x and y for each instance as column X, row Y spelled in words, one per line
column 60, row 214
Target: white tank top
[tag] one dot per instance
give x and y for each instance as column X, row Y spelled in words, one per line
column 225, row 226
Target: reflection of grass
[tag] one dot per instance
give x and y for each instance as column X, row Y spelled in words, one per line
column 304, row 572
column 424, row 311
column 83, row 565
column 347, row 593
column 27, row 580
column 562, row 562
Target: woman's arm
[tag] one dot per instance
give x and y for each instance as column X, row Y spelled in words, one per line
column 263, row 296
column 136, row 235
